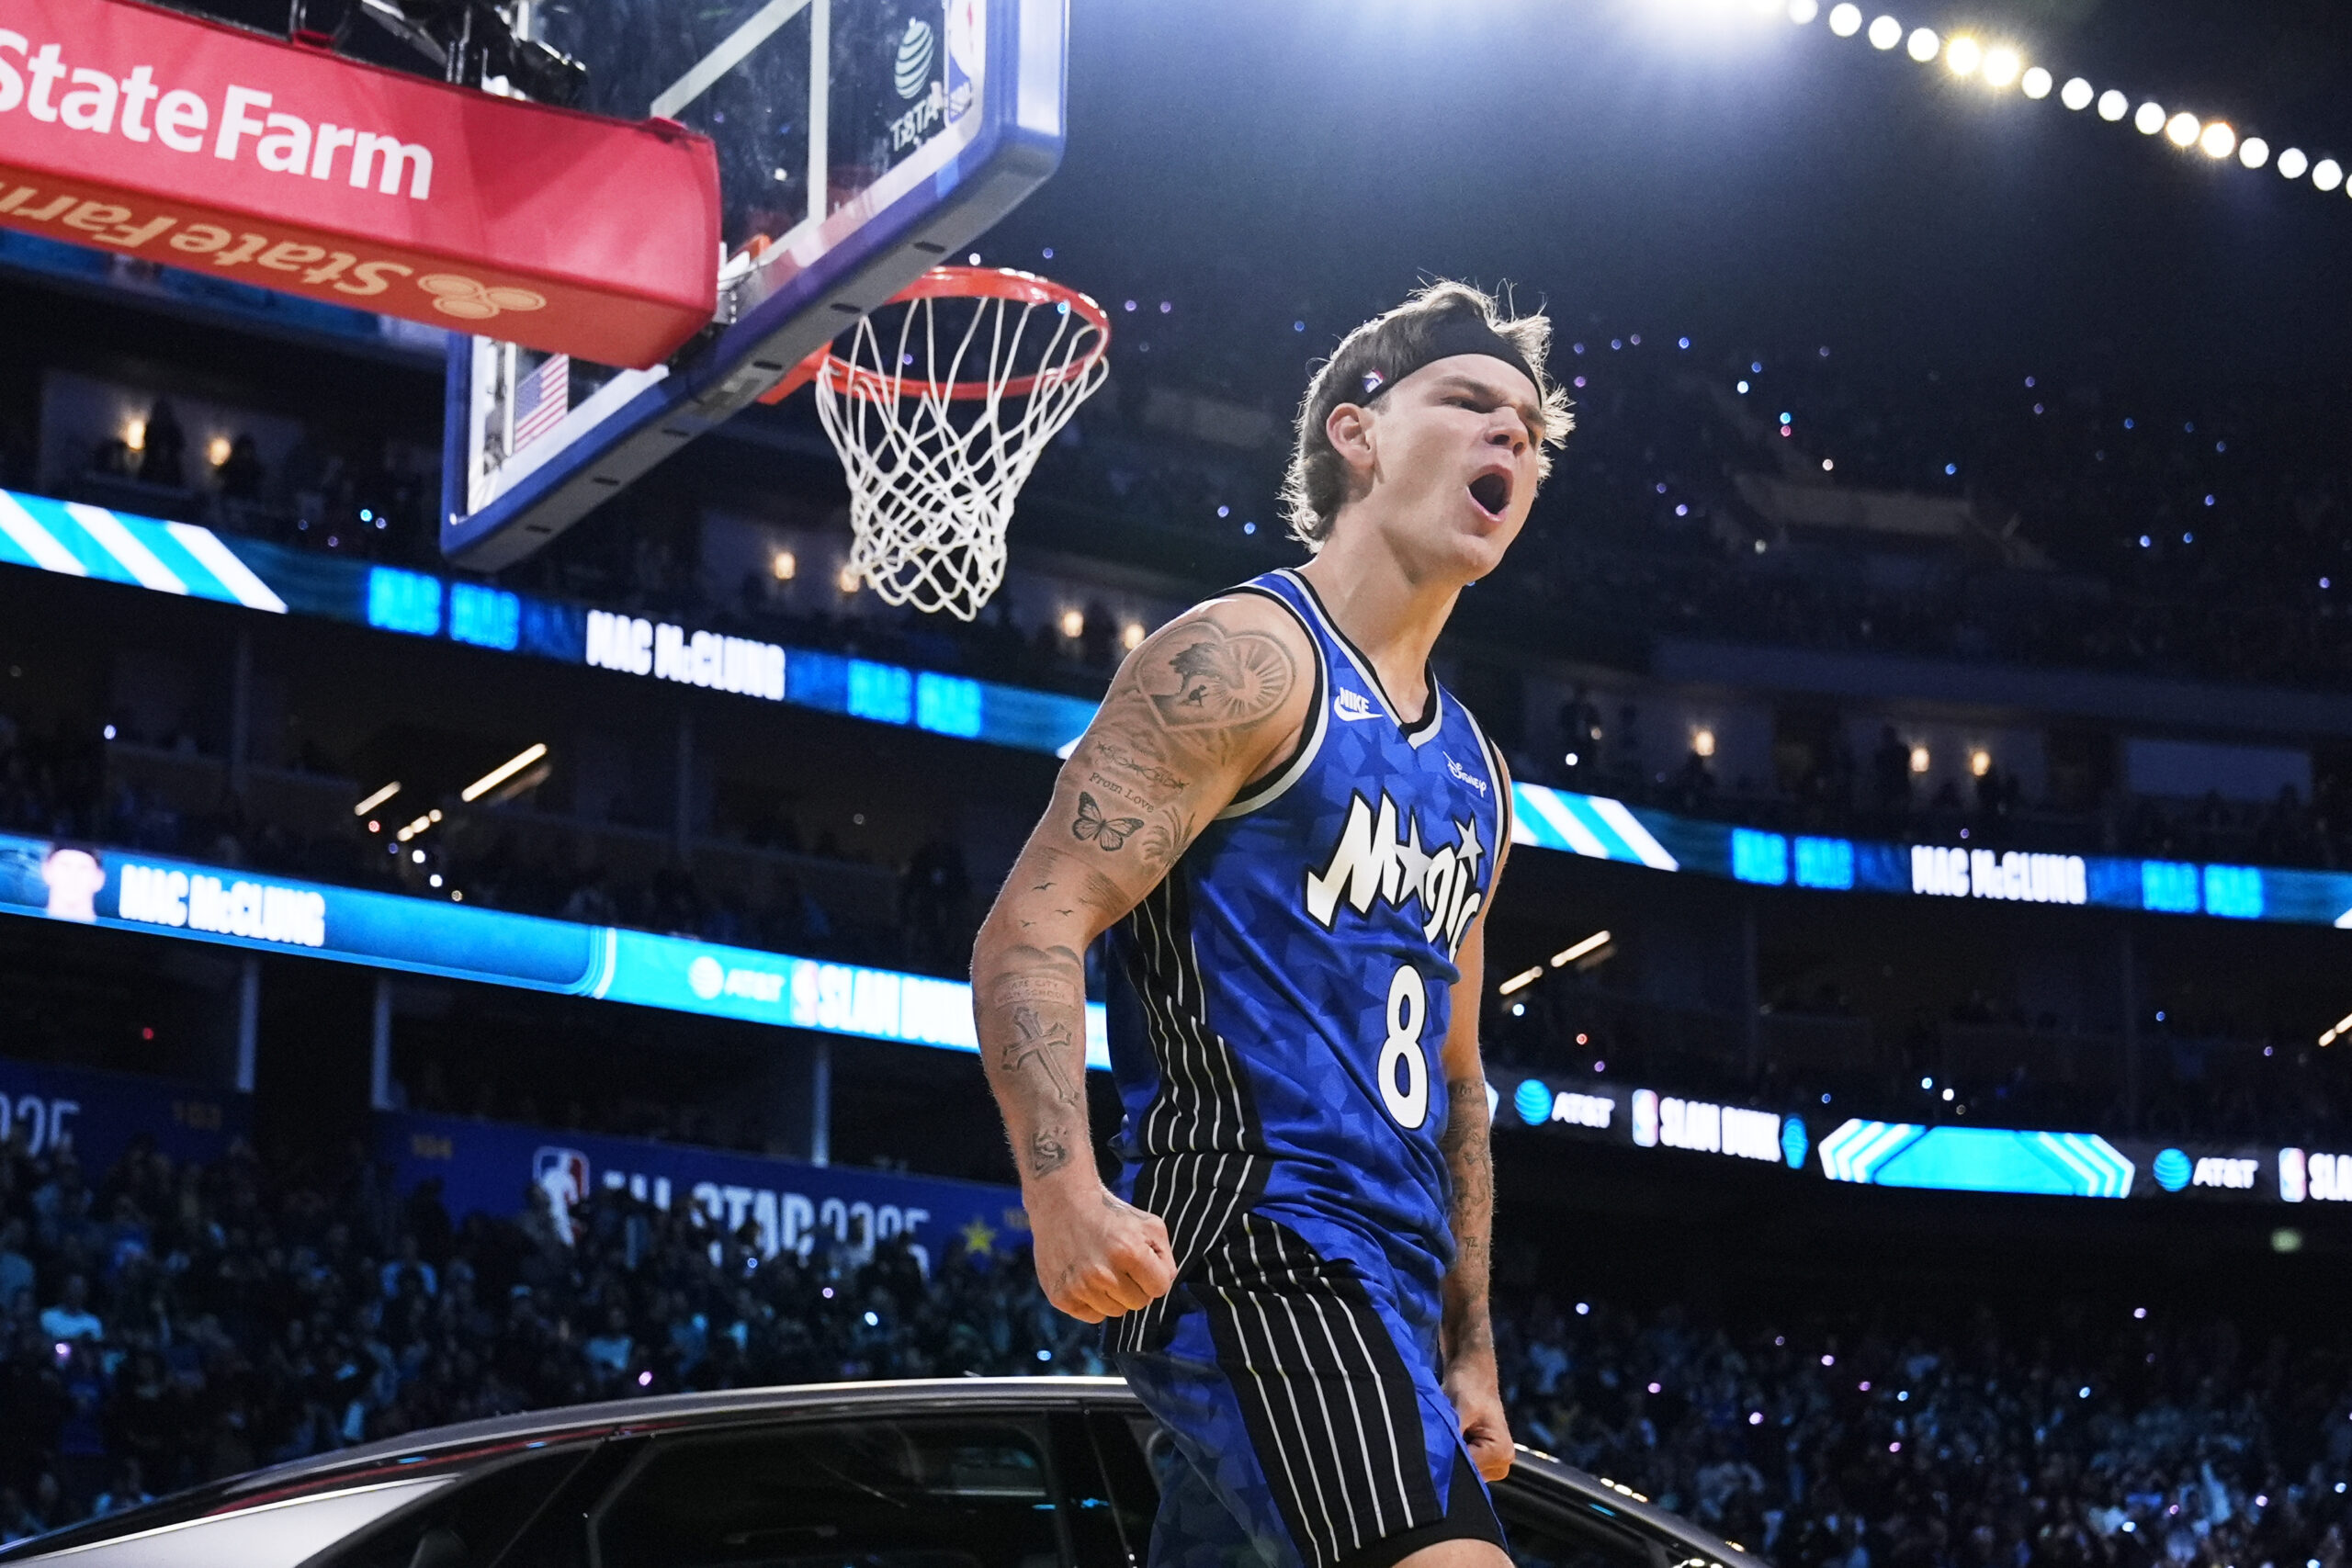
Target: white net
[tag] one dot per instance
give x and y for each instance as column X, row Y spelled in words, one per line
column 939, row 407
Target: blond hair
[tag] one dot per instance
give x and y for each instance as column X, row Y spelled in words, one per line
column 1317, row 483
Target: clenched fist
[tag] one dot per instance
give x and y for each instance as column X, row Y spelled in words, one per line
column 1097, row 1257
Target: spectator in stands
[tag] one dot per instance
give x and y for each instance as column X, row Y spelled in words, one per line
column 71, row 1318
column 933, row 898
column 16, row 1275
column 241, row 474
column 1877, row 1435
column 409, row 1272
column 608, row 1354
column 1891, row 771
column 162, row 454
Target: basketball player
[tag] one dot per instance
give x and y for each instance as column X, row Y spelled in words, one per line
column 1296, row 832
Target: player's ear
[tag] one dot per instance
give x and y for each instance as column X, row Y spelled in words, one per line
column 1349, row 429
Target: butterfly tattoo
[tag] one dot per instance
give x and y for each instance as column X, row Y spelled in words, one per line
column 1108, row 831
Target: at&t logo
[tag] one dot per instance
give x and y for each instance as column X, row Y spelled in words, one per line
column 914, row 58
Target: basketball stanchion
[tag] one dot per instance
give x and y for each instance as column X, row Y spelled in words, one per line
column 939, row 404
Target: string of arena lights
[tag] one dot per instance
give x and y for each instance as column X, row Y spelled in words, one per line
column 2002, row 67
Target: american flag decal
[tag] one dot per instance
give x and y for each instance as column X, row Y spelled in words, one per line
column 542, row 399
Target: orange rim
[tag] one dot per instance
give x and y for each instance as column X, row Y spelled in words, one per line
column 978, row 283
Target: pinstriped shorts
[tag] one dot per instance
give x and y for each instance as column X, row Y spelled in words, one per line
column 1306, row 1426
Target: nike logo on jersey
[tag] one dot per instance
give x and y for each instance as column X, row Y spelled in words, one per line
column 1459, row 771
column 1354, row 705
column 1373, row 861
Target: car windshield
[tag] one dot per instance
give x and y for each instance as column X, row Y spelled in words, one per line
column 921, row 1493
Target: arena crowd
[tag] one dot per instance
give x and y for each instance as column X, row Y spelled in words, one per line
column 166, row 1324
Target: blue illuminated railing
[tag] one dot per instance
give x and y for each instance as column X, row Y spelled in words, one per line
column 177, row 558
column 128, row 890
column 1948, row 1158
column 1557, row 819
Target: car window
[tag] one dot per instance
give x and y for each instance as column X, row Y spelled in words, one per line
column 271, row 1535
column 466, row 1524
column 557, row 1536
column 883, row 1493
column 1129, row 1445
column 1549, row 1527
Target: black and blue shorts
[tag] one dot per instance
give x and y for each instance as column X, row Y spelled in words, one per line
column 1307, row 1427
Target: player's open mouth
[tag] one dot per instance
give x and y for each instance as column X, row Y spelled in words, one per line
column 1492, row 492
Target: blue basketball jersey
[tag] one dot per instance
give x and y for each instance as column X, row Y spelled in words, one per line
column 1294, row 970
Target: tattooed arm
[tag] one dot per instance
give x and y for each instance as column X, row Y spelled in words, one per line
column 1207, row 704
column 1468, row 1333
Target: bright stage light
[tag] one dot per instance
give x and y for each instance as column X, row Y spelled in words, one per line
column 2254, row 152
column 1845, row 20
column 1964, row 56
column 2076, row 93
column 2037, row 82
column 2183, row 129
column 2327, row 173
column 498, row 776
column 2218, row 141
column 2291, row 162
column 2150, row 119
column 1886, row 33
column 1925, row 45
column 2002, row 65
column 1804, row 11
column 2113, row 106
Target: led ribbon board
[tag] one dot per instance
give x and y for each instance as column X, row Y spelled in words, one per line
column 1602, row 828
column 91, row 542
column 128, row 890
column 1909, row 1155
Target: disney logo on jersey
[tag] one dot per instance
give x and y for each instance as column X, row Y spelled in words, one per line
column 1354, row 705
column 1466, row 777
column 1374, row 861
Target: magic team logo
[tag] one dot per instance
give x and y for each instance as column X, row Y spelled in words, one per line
column 1375, row 862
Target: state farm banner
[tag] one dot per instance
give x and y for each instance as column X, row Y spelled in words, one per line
column 202, row 146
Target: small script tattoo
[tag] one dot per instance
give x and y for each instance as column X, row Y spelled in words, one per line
column 1112, row 787
column 1117, row 756
column 1024, row 990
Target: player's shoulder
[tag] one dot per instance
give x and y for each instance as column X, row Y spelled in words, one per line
column 1242, row 628
column 1252, row 608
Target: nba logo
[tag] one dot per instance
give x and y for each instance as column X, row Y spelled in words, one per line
column 1645, row 1118
column 966, row 47
column 2291, row 1176
column 563, row 1173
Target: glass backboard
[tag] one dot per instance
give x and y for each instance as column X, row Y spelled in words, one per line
column 859, row 143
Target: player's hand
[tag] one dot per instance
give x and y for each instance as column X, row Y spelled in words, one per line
column 1471, row 1384
column 1097, row 1257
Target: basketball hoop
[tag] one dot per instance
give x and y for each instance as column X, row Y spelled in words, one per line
column 939, row 408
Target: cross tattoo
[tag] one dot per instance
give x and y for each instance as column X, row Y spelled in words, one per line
column 1042, row 1041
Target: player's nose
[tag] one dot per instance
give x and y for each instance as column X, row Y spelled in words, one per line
column 1508, row 432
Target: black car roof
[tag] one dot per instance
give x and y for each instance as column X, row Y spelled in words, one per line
column 671, row 1409
column 502, row 1434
